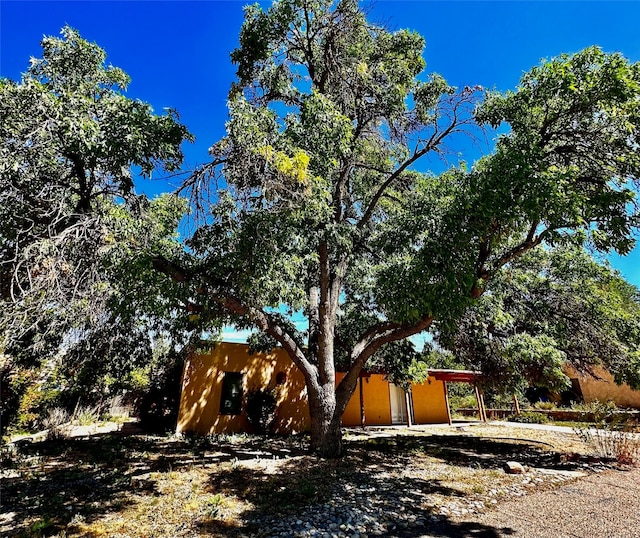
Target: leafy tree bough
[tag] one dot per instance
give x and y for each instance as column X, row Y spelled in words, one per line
column 547, row 308
column 323, row 207
column 72, row 281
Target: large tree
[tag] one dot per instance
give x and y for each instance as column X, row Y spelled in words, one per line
column 544, row 309
column 325, row 205
column 71, row 224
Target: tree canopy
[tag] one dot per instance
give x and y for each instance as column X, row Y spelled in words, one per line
column 319, row 201
column 547, row 308
column 71, row 225
column 324, row 205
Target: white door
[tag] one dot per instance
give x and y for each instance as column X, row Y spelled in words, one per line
column 398, row 404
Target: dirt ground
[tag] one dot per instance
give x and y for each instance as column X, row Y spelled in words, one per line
column 116, row 481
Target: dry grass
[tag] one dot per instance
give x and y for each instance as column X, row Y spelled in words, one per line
column 619, row 442
column 136, row 486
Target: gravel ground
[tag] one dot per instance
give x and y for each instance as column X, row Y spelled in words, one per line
column 602, row 505
column 367, row 509
column 427, row 482
column 596, row 502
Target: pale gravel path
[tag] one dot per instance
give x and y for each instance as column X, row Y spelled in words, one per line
column 601, row 505
column 604, row 504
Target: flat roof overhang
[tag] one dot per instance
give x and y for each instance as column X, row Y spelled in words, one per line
column 453, row 376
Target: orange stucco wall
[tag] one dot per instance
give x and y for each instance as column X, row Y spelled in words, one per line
column 604, row 388
column 351, row 415
column 202, row 387
column 429, row 403
column 375, row 390
column 202, row 390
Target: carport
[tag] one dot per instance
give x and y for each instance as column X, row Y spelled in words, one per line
column 461, row 376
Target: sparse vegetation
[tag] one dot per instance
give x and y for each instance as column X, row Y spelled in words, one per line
column 57, row 423
column 619, row 442
column 85, row 416
column 529, row 417
column 140, row 485
column 611, row 435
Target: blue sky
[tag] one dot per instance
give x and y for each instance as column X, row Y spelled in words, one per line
column 177, row 53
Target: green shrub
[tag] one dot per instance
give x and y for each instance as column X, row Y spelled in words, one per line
column 547, row 406
column 467, row 401
column 529, row 417
column 85, row 416
column 599, row 412
column 261, row 409
column 34, row 405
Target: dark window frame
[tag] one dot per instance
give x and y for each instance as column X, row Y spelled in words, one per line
column 231, row 393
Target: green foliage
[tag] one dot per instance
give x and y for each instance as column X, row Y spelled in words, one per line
column 260, row 408
column 547, row 406
column 529, row 417
column 564, row 113
column 78, row 293
column 328, row 212
column 326, row 208
column 461, row 396
column 601, row 412
column 549, row 307
column 138, row 379
column 35, row 400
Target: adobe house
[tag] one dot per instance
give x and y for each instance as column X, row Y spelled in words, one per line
column 214, row 385
column 602, row 387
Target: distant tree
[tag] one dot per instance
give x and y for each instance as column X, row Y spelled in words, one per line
column 71, row 226
column 547, row 308
column 322, row 208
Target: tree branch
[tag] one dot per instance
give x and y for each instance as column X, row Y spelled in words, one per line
column 434, row 141
column 370, row 342
column 257, row 317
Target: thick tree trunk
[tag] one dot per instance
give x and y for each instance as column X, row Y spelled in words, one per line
column 326, row 420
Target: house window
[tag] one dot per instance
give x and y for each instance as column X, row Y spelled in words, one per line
column 231, row 399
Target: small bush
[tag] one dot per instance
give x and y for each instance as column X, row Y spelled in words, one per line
column 34, row 403
column 85, row 416
column 546, row 406
column 620, row 443
column 599, row 412
column 611, row 435
column 57, row 423
column 529, row 417
column 467, row 401
column 261, row 409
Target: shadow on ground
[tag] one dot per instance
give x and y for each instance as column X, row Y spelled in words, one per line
column 469, row 450
column 48, row 484
column 303, row 487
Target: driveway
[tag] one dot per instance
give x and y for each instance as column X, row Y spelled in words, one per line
column 604, row 505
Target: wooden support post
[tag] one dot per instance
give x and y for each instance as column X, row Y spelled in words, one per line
column 478, row 401
column 446, row 401
column 362, row 417
column 484, row 409
column 516, row 405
